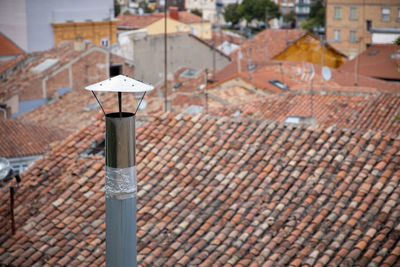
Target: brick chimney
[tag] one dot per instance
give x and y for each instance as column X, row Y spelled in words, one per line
column 173, row 12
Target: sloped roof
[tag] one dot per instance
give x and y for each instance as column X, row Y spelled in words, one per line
column 8, row 47
column 133, row 21
column 75, row 109
column 379, row 61
column 20, row 139
column 215, row 190
column 136, row 21
column 268, row 43
column 221, row 36
column 188, row 17
column 378, row 112
column 299, row 76
column 24, row 78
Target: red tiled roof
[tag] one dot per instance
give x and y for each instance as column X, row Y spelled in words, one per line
column 364, row 112
column 8, row 47
column 379, row 61
column 220, row 36
column 298, row 76
column 74, row 110
column 268, row 43
column 20, row 140
column 218, row 191
column 24, row 79
column 137, row 21
column 188, row 17
column 141, row 21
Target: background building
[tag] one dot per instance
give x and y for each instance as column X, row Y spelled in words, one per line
column 40, row 24
column 302, row 10
column 177, row 21
column 351, row 23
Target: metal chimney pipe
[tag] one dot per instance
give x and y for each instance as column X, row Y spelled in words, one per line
column 121, row 189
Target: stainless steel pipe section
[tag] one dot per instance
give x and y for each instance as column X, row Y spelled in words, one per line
column 120, row 190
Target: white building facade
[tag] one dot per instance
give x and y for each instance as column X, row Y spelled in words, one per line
column 28, row 23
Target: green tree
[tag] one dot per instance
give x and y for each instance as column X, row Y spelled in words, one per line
column 117, row 8
column 289, row 17
column 316, row 18
column 143, row 5
column 397, row 41
column 230, row 13
column 197, row 12
column 258, row 9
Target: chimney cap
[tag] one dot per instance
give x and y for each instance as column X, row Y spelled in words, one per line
column 120, row 83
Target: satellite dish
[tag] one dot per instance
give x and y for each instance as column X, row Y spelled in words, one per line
column 326, row 73
column 4, row 168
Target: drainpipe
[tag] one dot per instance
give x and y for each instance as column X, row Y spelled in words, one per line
column 4, row 112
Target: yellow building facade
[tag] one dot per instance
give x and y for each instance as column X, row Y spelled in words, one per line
column 101, row 33
column 201, row 30
column 308, row 48
column 348, row 22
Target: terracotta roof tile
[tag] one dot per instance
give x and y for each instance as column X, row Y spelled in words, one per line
column 233, row 191
column 19, row 139
column 378, row 61
column 8, row 47
column 360, row 112
column 188, row 17
column 132, row 21
column 298, row 75
column 136, row 21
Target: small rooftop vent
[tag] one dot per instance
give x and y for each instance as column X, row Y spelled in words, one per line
column 279, row 84
column 251, row 66
column 45, row 65
column 190, row 73
column 176, row 86
column 300, row 120
column 373, row 52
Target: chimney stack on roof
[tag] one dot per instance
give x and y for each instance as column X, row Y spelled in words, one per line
column 173, row 12
column 79, row 44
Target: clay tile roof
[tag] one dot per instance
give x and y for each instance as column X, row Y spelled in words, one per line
column 23, row 80
column 8, row 47
column 215, row 190
column 379, row 61
column 188, row 17
column 260, row 49
column 74, row 110
column 298, row 76
column 132, row 21
column 19, row 139
column 268, row 43
column 378, row 112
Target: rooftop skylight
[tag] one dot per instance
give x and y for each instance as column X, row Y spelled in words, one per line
column 190, row 73
column 279, row 84
column 45, row 65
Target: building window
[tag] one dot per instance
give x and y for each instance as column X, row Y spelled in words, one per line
column 352, row 36
column 398, row 15
column 385, row 14
column 338, row 12
column 353, row 13
column 104, row 42
column 336, row 35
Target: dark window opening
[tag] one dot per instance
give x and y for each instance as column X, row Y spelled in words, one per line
column 369, row 25
column 115, row 70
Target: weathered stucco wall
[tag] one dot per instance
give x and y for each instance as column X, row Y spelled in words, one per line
column 184, row 50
